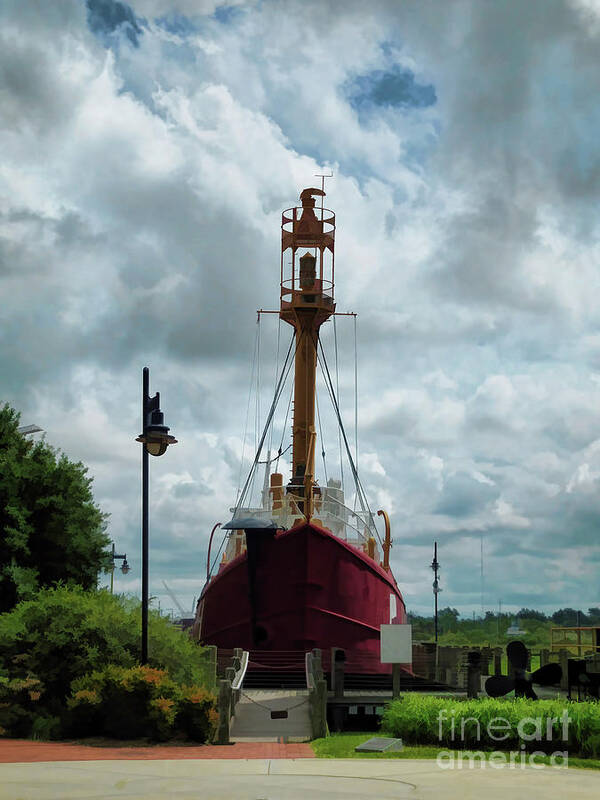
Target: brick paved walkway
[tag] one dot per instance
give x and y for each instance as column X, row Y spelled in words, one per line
column 23, row 750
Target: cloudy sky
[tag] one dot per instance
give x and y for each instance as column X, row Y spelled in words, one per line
column 146, row 153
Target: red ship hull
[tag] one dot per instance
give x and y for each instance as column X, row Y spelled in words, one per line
column 307, row 589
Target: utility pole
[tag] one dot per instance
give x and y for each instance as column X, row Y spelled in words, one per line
column 498, row 620
column 435, row 566
column 482, row 611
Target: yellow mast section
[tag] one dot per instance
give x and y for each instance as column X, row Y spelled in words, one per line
column 307, row 301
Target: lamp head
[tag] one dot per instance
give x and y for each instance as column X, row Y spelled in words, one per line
column 125, row 568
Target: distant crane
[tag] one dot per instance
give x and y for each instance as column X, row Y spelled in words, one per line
column 25, row 430
column 183, row 613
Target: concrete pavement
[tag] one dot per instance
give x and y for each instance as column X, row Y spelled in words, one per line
column 287, row 779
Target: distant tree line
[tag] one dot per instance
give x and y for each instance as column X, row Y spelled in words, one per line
column 568, row 617
column 493, row 627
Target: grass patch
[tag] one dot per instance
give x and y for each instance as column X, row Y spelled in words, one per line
column 494, row 724
column 341, row 745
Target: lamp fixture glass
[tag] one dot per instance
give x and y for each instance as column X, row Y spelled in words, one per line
column 156, row 443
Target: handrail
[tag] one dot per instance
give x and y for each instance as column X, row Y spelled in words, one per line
column 310, row 678
column 241, row 673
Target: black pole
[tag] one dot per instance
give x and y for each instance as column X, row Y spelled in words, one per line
column 435, row 566
column 145, row 399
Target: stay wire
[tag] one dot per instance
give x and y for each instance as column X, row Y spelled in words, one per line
column 337, row 381
column 276, row 373
column 321, row 438
column 257, row 405
column 355, row 401
column 284, row 373
column 280, row 452
column 247, row 417
column 359, row 487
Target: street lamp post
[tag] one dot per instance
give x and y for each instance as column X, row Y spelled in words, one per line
column 155, row 439
column 124, row 567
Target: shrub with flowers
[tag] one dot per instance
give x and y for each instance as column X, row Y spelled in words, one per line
column 140, row 702
column 197, row 716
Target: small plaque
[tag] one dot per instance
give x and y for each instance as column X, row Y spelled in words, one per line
column 353, row 710
column 380, row 745
column 279, row 714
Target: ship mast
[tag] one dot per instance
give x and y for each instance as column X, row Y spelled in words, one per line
column 307, row 301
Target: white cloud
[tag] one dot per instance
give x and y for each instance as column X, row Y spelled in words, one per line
column 140, row 198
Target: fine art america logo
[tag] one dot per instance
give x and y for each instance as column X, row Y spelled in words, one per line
column 499, row 729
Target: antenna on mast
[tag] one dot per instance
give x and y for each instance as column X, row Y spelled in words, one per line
column 323, row 176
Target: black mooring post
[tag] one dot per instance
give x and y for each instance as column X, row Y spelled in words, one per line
column 145, row 398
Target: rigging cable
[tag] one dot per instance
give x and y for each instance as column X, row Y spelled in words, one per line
column 237, row 494
column 284, row 373
column 359, row 487
column 276, row 374
column 287, row 413
column 276, row 458
column 321, row 438
column 257, row 420
column 337, row 381
column 257, row 403
column 355, row 402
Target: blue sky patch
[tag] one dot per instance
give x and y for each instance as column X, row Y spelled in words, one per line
column 395, row 88
column 226, row 14
column 107, row 16
column 177, row 24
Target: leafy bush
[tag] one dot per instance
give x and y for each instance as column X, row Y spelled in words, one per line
column 197, row 716
column 19, row 703
column 453, row 723
column 64, row 633
column 139, row 702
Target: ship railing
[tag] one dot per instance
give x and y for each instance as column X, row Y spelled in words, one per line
column 337, row 518
column 288, row 514
column 291, row 660
column 362, row 519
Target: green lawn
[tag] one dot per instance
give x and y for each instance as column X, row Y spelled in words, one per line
column 341, row 745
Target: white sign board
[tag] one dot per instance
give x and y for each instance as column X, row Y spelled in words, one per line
column 396, row 644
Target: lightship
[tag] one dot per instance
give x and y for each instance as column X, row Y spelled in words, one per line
column 303, row 570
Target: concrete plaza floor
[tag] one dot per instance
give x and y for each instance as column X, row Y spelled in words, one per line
column 288, row 779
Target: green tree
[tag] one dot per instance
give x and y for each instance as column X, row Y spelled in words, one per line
column 593, row 616
column 567, row 617
column 531, row 613
column 448, row 619
column 50, row 528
